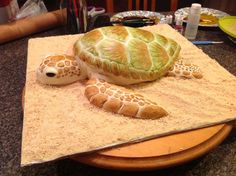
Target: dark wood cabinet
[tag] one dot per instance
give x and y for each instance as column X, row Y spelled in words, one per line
column 228, row 6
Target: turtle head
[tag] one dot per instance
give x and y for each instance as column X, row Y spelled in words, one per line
column 59, row 70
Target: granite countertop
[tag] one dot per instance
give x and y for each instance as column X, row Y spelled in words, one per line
column 13, row 58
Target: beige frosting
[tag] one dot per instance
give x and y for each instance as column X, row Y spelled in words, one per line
column 60, row 121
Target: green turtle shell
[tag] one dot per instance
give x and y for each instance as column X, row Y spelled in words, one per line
column 127, row 52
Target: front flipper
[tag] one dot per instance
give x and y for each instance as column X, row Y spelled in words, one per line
column 120, row 100
column 186, row 70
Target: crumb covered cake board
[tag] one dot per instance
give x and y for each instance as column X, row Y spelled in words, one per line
column 60, row 121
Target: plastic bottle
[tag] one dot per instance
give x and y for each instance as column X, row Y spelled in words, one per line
column 193, row 21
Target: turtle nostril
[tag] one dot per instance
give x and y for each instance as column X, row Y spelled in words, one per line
column 50, row 74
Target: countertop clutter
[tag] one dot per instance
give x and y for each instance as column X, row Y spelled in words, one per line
column 13, row 58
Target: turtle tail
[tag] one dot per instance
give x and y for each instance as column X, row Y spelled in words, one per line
column 122, row 101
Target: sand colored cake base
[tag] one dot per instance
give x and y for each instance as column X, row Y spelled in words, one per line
column 59, row 121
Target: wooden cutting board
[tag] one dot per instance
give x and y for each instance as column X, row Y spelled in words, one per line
column 159, row 153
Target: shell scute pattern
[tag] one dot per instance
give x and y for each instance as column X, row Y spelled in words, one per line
column 118, row 33
column 156, row 51
column 142, row 35
column 139, row 54
column 163, row 41
column 128, row 52
column 91, row 38
column 112, row 50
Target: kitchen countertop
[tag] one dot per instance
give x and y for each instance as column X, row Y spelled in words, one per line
column 13, row 58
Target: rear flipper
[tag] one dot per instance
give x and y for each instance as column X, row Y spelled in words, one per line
column 123, row 101
column 186, row 70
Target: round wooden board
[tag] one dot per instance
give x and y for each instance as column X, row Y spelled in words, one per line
column 161, row 152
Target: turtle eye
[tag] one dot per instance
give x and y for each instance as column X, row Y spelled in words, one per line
column 50, row 74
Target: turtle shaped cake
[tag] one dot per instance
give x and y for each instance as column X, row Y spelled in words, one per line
column 115, row 56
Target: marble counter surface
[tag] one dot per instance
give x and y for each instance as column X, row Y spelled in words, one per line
column 13, row 57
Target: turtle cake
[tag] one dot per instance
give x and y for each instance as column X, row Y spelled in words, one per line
column 113, row 57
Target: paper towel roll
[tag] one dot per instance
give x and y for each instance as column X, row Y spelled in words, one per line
column 24, row 27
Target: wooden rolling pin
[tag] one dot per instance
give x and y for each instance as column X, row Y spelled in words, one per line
column 27, row 26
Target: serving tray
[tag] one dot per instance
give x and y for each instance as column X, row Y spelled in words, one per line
column 161, row 152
